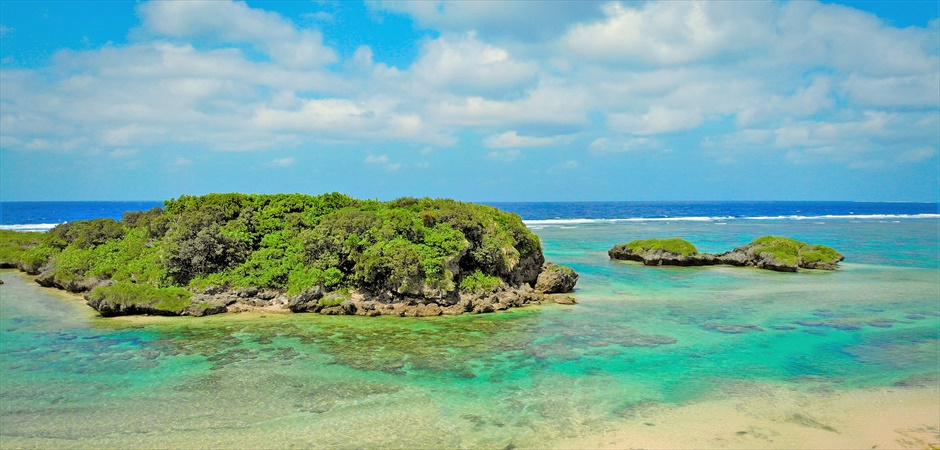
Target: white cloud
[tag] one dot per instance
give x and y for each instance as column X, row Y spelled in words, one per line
column 916, row 155
column 656, row 120
column 864, row 141
column 181, row 162
column 819, row 82
column 505, row 156
column 381, row 159
column 464, row 65
column 564, row 167
column 384, row 162
column 5, row 30
column 549, row 103
column 523, row 21
column 235, row 22
column 670, row 32
column 605, row 145
column 918, row 91
column 283, row 162
column 512, row 139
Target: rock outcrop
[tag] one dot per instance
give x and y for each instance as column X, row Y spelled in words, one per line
column 357, row 303
column 47, row 277
column 769, row 252
column 555, row 279
column 109, row 308
column 217, row 300
column 339, row 255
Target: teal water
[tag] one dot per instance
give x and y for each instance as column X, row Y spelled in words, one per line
column 528, row 377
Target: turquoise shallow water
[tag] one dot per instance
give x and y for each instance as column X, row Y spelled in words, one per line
column 640, row 336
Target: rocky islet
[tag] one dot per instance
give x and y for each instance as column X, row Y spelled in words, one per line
column 328, row 254
column 775, row 253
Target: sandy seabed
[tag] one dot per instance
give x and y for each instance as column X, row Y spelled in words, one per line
column 770, row 417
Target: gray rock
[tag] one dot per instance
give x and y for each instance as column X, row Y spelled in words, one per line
column 203, row 310
column 556, row 279
column 306, row 301
column 768, row 261
column 47, row 277
column 213, row 290
column 737, row 257
column 748, row 255
column 349, row 307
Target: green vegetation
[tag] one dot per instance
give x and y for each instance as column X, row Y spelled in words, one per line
column 818, row 253
column 287, row 242
column 674, row 245
column 553, row 268
column 792, row 252
column 331, row 301
column 785, row 250
column 479, row 282
column 24, row 250
column 766, row 252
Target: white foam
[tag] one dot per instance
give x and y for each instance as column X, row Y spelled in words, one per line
column 29, row 227
column 722, row 219
column 631, row 219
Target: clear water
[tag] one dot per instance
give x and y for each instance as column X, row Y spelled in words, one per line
column 529, row 377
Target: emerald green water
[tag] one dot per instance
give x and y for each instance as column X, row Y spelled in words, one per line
column 526, row 377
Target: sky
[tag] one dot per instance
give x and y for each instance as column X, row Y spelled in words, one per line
column 478, row 101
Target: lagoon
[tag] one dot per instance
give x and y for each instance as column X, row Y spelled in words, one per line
column 651, row 357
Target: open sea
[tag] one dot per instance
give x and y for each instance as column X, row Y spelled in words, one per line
column 643, row 346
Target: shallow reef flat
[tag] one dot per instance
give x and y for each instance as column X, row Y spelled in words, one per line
column 755, row 416
column 672, row 357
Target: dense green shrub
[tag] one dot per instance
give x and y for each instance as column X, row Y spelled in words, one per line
column 16, row 247
column 479, row 282
column 291, row 242
column 674, row 245
column 790, row 251
column 88, row 233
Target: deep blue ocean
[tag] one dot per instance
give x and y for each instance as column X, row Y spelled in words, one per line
column 33, row 216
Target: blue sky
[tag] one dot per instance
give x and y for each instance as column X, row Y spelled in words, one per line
column 480, row 101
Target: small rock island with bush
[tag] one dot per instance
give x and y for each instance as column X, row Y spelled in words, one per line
column 768, row 252
column 327, row 254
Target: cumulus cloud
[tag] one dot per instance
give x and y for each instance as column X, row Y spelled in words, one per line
column 383, row 161
column 509, row 20
column 916, row 155
column 803, row 80
column 464, row 65
column 656, row 120
column 181, row 162
column 236, row 22
column 855, row 142
column 283, row 162
column 505, row 156
column 670, row 32
column 512, row 139
column 601, row 146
